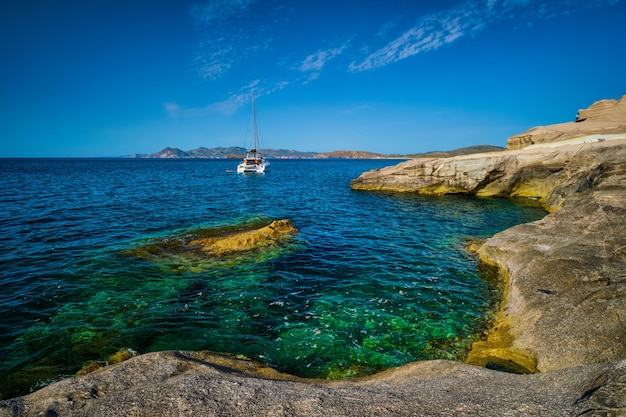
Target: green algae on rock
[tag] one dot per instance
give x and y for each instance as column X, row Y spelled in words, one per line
column 246, row 240
column 197, row 249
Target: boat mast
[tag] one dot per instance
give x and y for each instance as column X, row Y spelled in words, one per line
column 256, row 132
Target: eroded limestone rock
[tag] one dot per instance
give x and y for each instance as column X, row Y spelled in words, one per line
column 202, row 384
column 547, row 174
column 604, row 117
column 565, row 299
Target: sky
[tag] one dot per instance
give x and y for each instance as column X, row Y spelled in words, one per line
column 111, row 78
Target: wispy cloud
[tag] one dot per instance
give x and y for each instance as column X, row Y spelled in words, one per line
column 172, row 109
column 431, row 32
column 229, row 42
column 356, row 109
column 226, row 36
column 232, row 103
column 242, row 96
column 314, row 63
column 385, row 29
column 468, row 18
column 228, row 106
column 218, row 10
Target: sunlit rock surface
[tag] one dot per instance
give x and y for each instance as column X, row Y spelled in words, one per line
column 216, row 241
column 602, row 118
column 200, row 384
column 246, row 240
column 565, row 298
column 548, row 174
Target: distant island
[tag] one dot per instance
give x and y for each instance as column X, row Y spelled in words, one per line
column 238, row 153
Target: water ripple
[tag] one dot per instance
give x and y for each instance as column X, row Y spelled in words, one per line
column 373, row 280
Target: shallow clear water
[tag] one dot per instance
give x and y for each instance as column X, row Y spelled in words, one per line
column 371, row 281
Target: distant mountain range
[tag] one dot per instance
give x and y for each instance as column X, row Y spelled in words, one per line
column 221, row 153
column 238, row 153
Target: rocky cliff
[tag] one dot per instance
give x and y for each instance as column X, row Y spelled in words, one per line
column 563, row 315
column 604, row 117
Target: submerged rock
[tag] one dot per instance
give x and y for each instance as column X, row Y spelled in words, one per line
column 212, row 242
column 246, row 240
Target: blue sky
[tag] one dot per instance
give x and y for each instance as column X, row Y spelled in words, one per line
column 112, row 78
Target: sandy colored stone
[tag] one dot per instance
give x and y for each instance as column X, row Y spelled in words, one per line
column 566, row 280
column 246, row 240
column 604, row 117
column 548, row 174
column 565, row 298
column 179, row 383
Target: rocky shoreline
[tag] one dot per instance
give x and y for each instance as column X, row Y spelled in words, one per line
column 566, row 300
column 563, row 316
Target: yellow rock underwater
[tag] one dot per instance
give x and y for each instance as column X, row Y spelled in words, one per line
column 246, row 240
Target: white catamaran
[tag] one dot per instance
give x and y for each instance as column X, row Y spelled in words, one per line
column 254, row 161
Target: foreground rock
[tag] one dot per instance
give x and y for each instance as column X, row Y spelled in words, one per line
column 200, row 384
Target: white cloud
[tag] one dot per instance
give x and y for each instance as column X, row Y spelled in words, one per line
column 218, row 10
column 214, row 62
column 227, row 35
column 242, row 98
column 172, row 109
column 356, row 109
column 385, row 29
column 314, row 63
column 230, row 40
column 467, row 18
column 229, row 105
column 431, row 32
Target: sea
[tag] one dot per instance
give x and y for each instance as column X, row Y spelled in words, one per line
column 371, row 281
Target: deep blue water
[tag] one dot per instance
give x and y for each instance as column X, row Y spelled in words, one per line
column 371, row 281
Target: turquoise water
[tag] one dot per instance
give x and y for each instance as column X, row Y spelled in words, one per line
column 371, row 281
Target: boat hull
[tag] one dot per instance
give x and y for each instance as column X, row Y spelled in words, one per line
column 244, row 168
